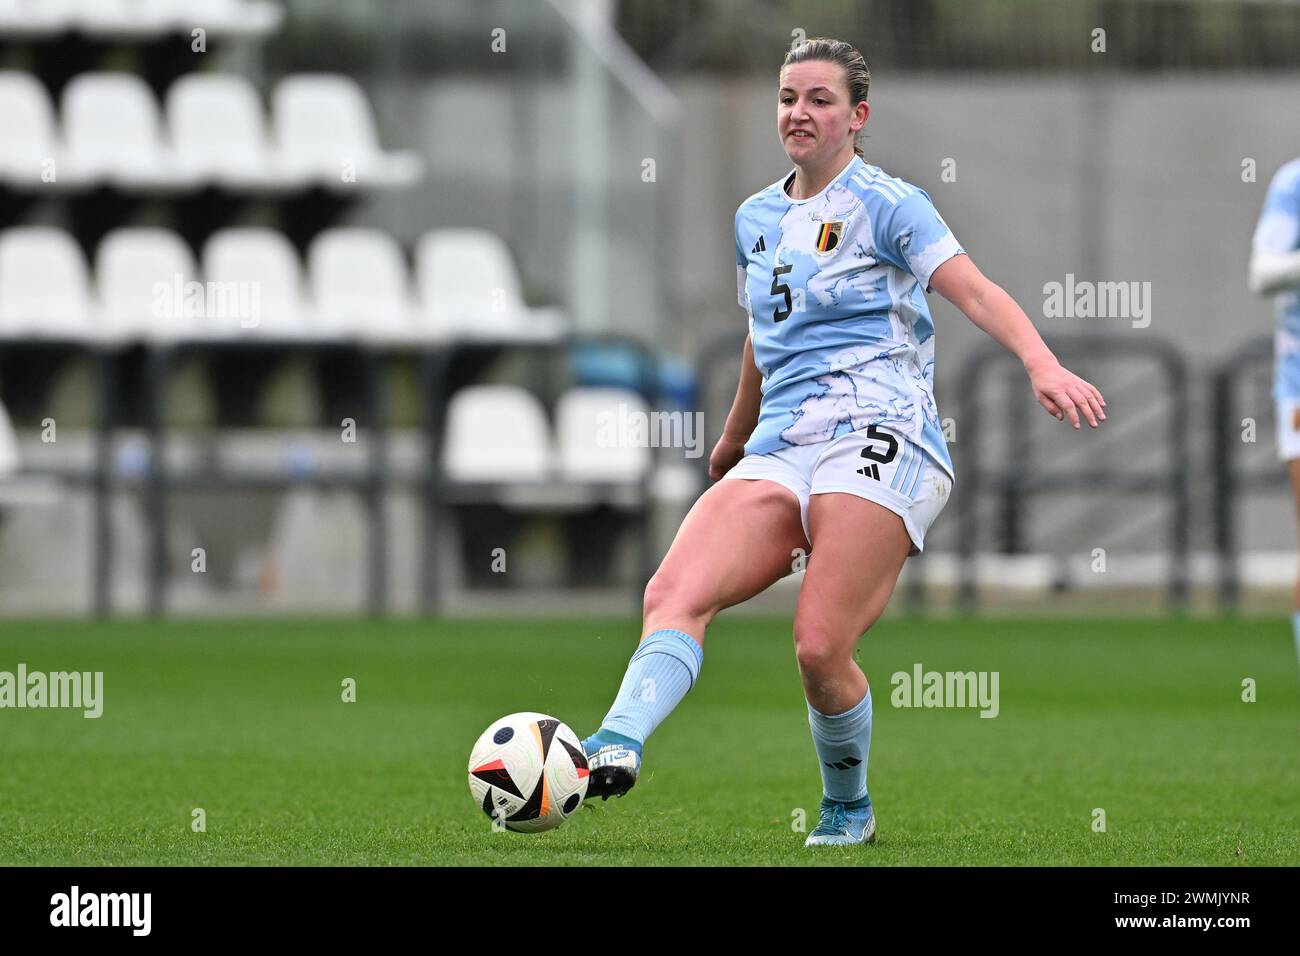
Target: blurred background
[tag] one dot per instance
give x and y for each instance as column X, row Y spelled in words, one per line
column 360, row 306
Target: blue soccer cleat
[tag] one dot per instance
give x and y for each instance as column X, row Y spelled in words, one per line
column 843, row 824
column 614, row 762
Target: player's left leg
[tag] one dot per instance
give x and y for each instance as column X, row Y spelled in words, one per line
column 858, row 551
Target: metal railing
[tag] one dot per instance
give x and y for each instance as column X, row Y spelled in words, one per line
column 1231, row 481
column 1022, row 476
column 161, row 483
column 441, row 368
column 99, row 477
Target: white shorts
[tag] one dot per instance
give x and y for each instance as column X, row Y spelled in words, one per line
column 1288, row 428
column 881, row 466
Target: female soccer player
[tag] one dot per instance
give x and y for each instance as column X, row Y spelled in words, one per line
column 1275, row 270
column 833, row 447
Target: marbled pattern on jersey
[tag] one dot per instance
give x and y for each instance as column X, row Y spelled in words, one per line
column 843, row 338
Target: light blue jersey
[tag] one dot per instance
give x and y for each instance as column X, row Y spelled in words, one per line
column 1279, row 232
column 835, row 290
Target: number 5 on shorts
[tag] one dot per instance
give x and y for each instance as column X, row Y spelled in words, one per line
column 875, row 434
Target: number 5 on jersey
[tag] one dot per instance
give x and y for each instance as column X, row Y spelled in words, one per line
column 780, row 288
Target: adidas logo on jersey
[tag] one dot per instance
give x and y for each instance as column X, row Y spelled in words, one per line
column 759, row 246
column 871, row 471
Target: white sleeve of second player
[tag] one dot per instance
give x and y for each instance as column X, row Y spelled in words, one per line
column 1272, row 272
column 1275, row 247
column 742, row 298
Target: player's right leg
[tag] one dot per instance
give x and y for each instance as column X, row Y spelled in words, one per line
column 739, row 537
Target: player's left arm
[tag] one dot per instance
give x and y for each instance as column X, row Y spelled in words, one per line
column 987, row 304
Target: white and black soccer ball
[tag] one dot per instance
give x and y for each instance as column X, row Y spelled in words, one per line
column 529, row 772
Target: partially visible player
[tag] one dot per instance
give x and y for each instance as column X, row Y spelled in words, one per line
column 833, row 447
column 1275, row 271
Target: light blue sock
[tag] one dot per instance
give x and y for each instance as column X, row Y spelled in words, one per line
column 843, row 742
column 1295, row 632
column 664, row 667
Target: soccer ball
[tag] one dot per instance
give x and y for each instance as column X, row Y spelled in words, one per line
column 528, row 771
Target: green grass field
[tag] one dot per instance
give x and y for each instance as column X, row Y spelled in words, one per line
column 1142, row 718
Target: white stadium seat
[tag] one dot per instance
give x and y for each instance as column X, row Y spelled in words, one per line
column 468, row 288
column 230, row 17
column 29, row 140
column 360, row 284
column 325, row 130
column 142, row 18
column 259, row 269
column 113, row 132
column 141, row 274
column 597, row 440
column 139, row 18
column 44, row 288
column 496, row 433
column 36, row 17
column 123, row 18
column 219, row 132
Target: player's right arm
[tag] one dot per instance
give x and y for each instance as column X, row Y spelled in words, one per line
column 741, row 420
column 1275, row 249
column 743, row 417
